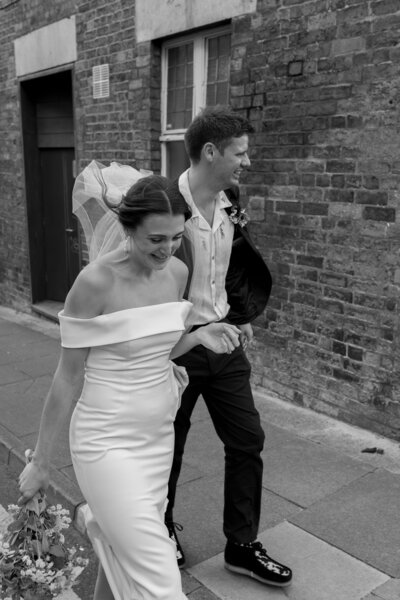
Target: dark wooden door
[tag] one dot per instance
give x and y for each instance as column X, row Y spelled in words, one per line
column 48, row 133
column 60, row 237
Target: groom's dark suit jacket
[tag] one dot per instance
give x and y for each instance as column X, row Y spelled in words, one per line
column 248, row 281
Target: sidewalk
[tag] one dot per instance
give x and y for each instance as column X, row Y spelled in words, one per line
column 329, row 511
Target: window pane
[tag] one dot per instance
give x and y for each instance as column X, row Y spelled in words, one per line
column 212, row 69
column 225, row 45
column 211, row 96
column 222, row 93
column 223, row 68
column 219, row 49
column 180, row 86
column 213, row 48
column 177, row 159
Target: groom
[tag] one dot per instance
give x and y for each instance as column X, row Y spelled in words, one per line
column 228, row 281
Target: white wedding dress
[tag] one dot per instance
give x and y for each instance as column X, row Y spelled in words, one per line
column 122, row 442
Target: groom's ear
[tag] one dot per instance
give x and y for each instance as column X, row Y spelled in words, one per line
column 208, row 151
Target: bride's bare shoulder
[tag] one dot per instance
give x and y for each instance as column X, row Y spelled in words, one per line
column 178, row 267
column 180, row 273
column 88, row 295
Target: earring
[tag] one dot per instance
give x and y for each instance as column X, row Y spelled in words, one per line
column 127, row 245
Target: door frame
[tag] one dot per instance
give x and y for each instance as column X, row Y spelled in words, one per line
column 31, row 167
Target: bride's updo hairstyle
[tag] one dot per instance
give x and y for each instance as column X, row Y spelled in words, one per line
column 148, row 196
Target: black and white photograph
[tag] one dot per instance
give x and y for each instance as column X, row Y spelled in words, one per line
column 199, row 300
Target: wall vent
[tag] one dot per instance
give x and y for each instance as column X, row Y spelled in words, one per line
column 101, row 81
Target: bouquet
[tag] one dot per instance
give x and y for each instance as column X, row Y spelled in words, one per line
column 35, row 563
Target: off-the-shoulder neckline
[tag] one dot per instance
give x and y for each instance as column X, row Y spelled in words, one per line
column 124, row 310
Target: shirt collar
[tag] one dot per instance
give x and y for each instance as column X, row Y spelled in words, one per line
column 222, row 201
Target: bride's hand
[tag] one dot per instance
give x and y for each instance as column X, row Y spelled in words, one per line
column 221, row 338
column 32, row 479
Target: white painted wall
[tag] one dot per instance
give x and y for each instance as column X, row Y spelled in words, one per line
column 45, row 48
column 159, row 18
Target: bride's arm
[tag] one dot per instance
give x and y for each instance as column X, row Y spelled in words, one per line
column 65, row 387
column 221, row 338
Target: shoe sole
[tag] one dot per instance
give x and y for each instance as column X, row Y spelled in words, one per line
column 253, row 575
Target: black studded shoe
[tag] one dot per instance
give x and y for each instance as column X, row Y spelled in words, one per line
column 252, row 560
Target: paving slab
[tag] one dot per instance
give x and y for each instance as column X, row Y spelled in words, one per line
column 204, row 450
column 388, row 591
column 321, row 572
column 362, row 519
column 304, row 471
column 38, row 365
column 276, row 436
column 22, row 403
column 9, row 327
column 189, row 473
column 189, row 583
column 15, row 334
column 199, row 508
column 30, row 343
column 341, row 437
column 6, row 356
column 202, row 594
column 70, row 473
column 11, row 318
column 8, row 374
column 200, row 412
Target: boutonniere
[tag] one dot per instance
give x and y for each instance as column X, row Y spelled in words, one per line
column 238, row 216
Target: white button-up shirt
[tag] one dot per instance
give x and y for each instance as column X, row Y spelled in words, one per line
column 211, row 253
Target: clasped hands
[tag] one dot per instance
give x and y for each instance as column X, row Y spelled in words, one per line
column 221, row 338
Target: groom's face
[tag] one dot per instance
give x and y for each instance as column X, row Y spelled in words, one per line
column 231, row 161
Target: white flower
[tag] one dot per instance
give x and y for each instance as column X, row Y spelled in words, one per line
column 33, row 574
column 238, row 216
column 40, row 564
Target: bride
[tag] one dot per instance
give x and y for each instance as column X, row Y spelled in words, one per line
column 122, row 323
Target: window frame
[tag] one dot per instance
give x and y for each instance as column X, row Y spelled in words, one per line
column 200, row 63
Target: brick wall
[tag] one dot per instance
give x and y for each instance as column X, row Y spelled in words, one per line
column 16, row 19
column 124, row 127
column 320, row 80
column 117, row 128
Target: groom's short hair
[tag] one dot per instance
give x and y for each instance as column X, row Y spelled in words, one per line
column 216, row 124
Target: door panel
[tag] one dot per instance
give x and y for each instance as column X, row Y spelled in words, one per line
column 48, row 134
column 60, row 238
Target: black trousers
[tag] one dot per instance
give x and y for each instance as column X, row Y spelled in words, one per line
column 224, row 382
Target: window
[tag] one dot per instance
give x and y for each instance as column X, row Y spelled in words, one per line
column 195, row 73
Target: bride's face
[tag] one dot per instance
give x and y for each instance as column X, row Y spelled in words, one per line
column 157, row 238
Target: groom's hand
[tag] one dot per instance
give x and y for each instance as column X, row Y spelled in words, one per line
column 246, row 334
